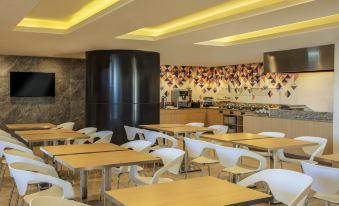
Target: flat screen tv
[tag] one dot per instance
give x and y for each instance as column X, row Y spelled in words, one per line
column 32, row 84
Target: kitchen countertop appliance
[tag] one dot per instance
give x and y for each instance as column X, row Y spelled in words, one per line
column 181, row 98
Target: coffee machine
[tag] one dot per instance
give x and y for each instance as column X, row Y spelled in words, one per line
column 181, row 97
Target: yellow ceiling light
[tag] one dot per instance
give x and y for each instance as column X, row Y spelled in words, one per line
column 229, row 11
column 89, row 12
column 293, row 28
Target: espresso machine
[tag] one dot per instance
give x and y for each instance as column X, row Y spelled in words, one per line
column 181, row 98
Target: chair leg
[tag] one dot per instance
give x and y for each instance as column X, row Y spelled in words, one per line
column 11, row 195
column 2, row 173
column 202, row 171
column 118, row 181
column 209, row 170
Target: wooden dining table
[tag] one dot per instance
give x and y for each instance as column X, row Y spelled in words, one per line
column 232, row 137
column 102, row 161
column 176, row 131
column 44, row 131
column 30, row 126
column 59, row 150
column 272, row 145
column 333, row 158
column 52, row 137
column 199, row 191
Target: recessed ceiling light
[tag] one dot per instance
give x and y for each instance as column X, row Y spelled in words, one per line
column 226, row 12
column 287, row 29
column 89, row 12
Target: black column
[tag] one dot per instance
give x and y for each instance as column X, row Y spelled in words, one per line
column 123, row 88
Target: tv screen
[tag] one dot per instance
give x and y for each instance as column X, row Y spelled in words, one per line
column 32, row 84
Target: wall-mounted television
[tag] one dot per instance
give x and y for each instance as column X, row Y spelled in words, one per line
column 32, row 84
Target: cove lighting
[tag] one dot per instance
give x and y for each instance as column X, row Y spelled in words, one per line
column 226, row 12
column 94, row 9
column 287, row 29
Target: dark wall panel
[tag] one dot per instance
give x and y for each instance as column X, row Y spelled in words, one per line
column 122, row 89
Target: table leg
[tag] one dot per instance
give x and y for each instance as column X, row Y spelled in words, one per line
column 83, row 185
column 275, row 159
column 106, row 182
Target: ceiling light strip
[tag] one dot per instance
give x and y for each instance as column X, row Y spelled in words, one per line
column 308, row 25
column 226, row 12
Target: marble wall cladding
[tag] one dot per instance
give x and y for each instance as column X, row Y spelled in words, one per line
column 68, row 103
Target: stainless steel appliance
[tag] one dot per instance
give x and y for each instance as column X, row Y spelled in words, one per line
column 208, row 101
column 181, row 97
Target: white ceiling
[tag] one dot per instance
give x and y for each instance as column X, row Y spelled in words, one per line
column 180, row 49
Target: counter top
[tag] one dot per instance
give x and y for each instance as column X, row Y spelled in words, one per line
column 278, row 113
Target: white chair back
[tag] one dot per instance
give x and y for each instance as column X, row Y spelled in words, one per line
column 104, row 137
column 195, row 148
column 54, row 201
column 131, row 132
column 325, row 179
column 219, row 129
column 24, row 173
column 4, row 133
column 171, row 158
column 138, row 145
column 66, row 125
column 313, row 151
column 13, row 156
column 229, row 157
column 152, row 136
column 273, row 134
column 196, row 124
column 288, row 187
column 12, row 140
column 11, row 145
column 87, row 130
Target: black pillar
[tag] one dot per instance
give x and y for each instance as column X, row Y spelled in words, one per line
column 122, row 88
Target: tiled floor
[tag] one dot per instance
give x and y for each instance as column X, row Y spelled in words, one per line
column 95, row 182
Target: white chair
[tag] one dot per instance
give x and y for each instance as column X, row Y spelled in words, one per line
column 13, row 155
column 288, row 187
column 195, row 149
column 131, row 132
column 196, row 124
column 87, row 131
column 12, row 140
column 25, row 173
column 137, row 145
column 218, row 129
column 171, row 158
column 66, row 125
column 325, row 182
column 54, row 201
column 153, row 137
column 230, row 158
column 4, row 133
column 101, row 137
column 312, row 151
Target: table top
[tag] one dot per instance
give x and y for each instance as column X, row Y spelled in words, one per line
column 274, row 143
column 59, row 150
column 232, row 137
column 155, row 126
column 30, row 126
column 184, row 129
column 52, row 137
column 199, row 191
column 44, row 131
column 331, row 157
column 105, row 159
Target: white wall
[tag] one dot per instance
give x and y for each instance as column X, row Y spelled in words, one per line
column 315, row 90
column 336, row 100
